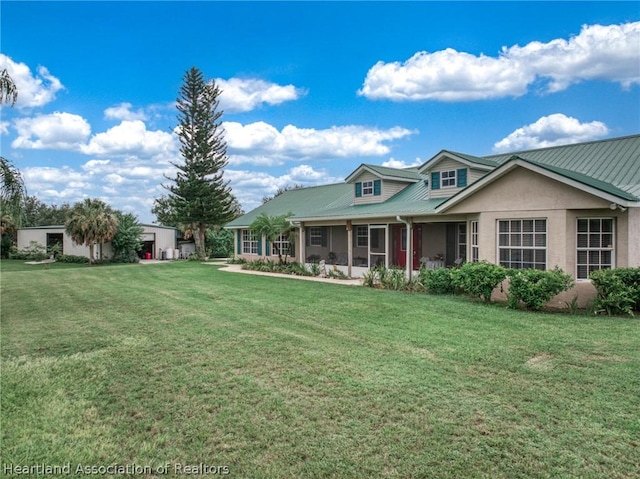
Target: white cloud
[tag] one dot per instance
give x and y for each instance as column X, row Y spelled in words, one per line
column 131, row 138
column 249, row 187
column 34, row 90
column 598, row 53
column 267, row 145
column 4, row 127
column 393, row 163
column 552, row 130
column 123, row 112
column 56, row 131
column 240, row 95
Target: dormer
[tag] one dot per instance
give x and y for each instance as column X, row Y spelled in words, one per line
column 375, row 184
column 449, row 172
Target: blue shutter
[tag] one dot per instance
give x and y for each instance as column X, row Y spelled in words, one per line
column 267, row 250
column 260, row 245
column 462, row 177
column 435, row 180
column 358, row 189
column 239, row 233
column 377, row 188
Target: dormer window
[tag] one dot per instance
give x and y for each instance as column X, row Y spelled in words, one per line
column 449, row 179
column 368, row 188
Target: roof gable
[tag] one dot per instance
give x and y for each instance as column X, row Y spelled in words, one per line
column 467, row 160
column 571, row 178
column 407, row 175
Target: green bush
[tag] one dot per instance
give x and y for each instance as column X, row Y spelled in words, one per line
column 618, row 290
column 535, row 287
column 393, row 278
column 436, row 281
column 478, row 279
column 34, row 252
column 70, row 258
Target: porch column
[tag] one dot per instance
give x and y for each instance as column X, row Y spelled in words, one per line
column 303, row 244
column 409, row 245
column 349, row 247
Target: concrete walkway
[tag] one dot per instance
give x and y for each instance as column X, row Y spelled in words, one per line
column 237, row 268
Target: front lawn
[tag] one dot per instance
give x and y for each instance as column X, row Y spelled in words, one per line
column 185, row 365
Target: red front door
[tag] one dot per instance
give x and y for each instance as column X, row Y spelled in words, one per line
column 400, row 245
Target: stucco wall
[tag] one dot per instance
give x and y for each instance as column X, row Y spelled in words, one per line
column 524, row 194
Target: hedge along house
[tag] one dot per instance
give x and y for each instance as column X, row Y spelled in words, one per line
column 155, row 240
column 574, row 206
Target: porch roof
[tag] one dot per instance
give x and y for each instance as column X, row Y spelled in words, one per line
column 411, row 201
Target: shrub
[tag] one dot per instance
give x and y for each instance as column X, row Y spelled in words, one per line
column 535, row 287
column 618, row 290
column 436, row 281
column 70, row 258
column 34, row 252
column 371, row 278
column 393, row 278
column 478, row 279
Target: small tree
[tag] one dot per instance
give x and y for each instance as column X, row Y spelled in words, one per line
column 8, row 89
column 199, row 197
column 273, row 227
column 128, row 239
column 90, row 222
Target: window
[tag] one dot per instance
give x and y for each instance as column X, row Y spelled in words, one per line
column 54, row 241
column 462, row 241
column 281, row 244
column 595, row 242
column 249, row 242
column 522, row 243
column 448, row 178
column 315, row 236
column 475, row 250
column 367, row 188
column 362, row 236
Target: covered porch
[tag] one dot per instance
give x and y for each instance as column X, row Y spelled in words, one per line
column 354, row 248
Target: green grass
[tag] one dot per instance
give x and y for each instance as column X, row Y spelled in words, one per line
column 184, row 364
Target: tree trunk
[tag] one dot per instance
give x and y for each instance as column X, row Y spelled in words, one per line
column 91, row 253
column 199, row 239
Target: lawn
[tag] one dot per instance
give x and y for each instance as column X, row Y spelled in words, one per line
column 185, row 365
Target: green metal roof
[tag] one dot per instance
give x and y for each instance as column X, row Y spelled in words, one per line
column 611, row 165
column 300, row 201
column 412, row 200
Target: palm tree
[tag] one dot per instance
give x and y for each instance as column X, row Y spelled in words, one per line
column 90, row 222
column 12, row 193
column 273, row 227
column 8, row 89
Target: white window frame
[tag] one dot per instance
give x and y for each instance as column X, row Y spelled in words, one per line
column 475, row 249
column 517, row 235
column 315, row 236
column 591, row 249
column 283, row 243
column 448, row 179
column 362, row 236
column 367, row 188
column 461, row 232
column 249, row 242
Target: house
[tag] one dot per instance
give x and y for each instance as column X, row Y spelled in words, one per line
column 156, row 240
column 575, row 206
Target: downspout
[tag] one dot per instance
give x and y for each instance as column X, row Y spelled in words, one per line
column 409, row 246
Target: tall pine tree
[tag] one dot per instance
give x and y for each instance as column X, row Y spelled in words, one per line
column 199, row 197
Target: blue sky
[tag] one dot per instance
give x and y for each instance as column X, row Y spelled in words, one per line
column 311, row 90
